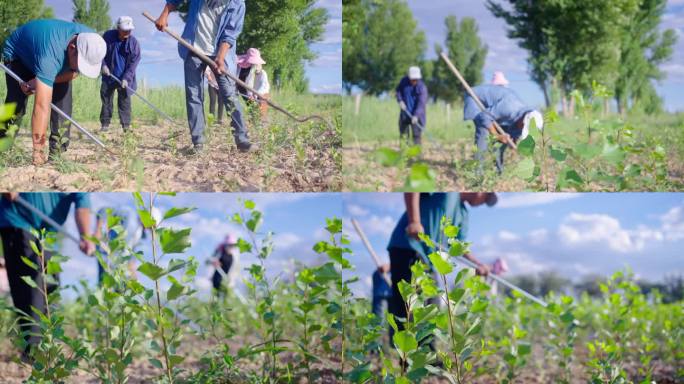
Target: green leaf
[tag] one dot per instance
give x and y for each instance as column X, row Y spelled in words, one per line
column 456, row 249
column 28, row 280
column 156, row 363
column 173, row 212
column 413, row 151
column 174, row 241
column 451, row 231
column 387, row 157
column 175, row 360
column 478, row 306
column 613, row 153
column 569, row 178
column 558, row 154
column 53, row 267
column 526, row 147
column 30, row 263
column 524, row 169
column 7, row 111
column 442, row 266
column 421, row 178
column 405, row 341
column 174, row 292
column 587, row 151
column 146, row 219
column 150, row 270
column 249, row 204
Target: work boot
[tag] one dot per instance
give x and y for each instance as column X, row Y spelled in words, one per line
column 125, row 128
column 104, row 128
column 247, row 147
column 197, row 149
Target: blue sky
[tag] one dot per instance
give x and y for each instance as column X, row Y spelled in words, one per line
column 505, row 55
column 161, row 65
column 573, row 234
column 296, row 219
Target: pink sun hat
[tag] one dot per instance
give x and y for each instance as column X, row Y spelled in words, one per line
column 499, row 79
column 252, row 57
column 499, row 267
column 230, row 240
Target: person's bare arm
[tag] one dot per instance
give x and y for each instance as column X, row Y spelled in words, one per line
column 83, row 224
column 163, row 20
column 482, row 269
column 502, row 138
column 66, row 77
column 11, row 196
column 98, row 228
column 41, row 113
column 412, row 202
column 221, row 57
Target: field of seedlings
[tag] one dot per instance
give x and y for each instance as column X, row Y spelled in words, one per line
column 311, row 329
column 155, row 154
column 587, row 153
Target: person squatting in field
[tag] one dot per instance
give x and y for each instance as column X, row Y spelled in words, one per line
column 251, row 72
column 212, row 27
column 503, row 106
column 224, row 261
column 412, row 96
column 48, row 55
column 424, row 212
column 121, row 61
column 16, row 224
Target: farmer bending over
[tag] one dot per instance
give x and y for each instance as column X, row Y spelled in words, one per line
column 424, row 212
column 412, row 96
column 212, row 27
column 506, row 108
column 121, row 61
column 16, row 223
column 252, row 73
column 48, row 54
column 127, row 227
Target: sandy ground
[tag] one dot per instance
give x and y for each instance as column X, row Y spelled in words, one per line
column 148, row 160
column 454, row 167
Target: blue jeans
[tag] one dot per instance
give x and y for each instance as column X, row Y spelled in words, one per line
column 481, row 135
column 377, row 305
column 194, row 100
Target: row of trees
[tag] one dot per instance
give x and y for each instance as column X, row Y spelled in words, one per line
column 381, row 40
column 571, row 45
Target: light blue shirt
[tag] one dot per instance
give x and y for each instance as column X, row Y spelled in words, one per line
column 41, row 45
column 55, row 205
column 230, row 27
column 433, row 206
column 501, row 104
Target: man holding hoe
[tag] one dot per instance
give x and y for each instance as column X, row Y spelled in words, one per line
column 212, row 27
column 412, row 96
column 16, row 224
column 504, row 107
column 424, row 212
column 118, row 70
column 48, row 55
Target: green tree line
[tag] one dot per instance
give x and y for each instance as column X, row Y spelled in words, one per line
column 571, row 46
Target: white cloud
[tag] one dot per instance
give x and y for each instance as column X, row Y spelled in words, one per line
column 579, row 229
column 508, row 200
column 356, row 210
column 286, row 240
column 538, row 236
column 508, row 236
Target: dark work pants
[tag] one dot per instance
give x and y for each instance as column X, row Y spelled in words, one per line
column 61, row 98
column 217, row 278
column 415, row 131
column 17, row 243
column 401, row 261
column 214, row 103
column 123, row 103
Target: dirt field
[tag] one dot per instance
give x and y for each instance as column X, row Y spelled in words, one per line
column 287, row 161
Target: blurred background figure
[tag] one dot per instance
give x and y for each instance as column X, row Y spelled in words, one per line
column 4, row 283
column 382, row 292
column 499, row 267
column 412, row 96
column 250, row 66
column 215, row 104
column 499, row 79
column 225, row 261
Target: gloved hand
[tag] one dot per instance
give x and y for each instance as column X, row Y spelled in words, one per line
column 402, row 105
column 124, row 84
column 414, row 120
column 105, row 71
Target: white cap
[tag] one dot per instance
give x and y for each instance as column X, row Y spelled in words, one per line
column 125, row 23
column 414, row 73
column 91, row 51
column 538, row 120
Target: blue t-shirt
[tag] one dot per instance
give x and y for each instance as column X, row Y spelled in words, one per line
column 433, row 206
column 501, row 104
column 41, row 45
column 55, row 205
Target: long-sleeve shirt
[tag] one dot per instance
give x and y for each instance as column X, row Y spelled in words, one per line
column 41, row 45
column 501, row 104
column 229, row 28
column 258, row 81
column 415, row 98
column 54, row 205
column 122, row 59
